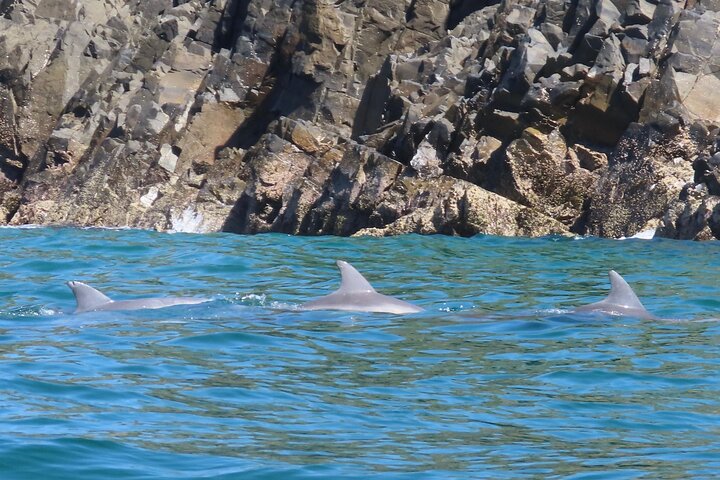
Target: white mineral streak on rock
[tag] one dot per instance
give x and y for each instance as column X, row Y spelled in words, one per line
column 149, row 198
column 168, row 159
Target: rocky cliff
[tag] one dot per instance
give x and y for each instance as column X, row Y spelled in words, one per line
column 363, row 116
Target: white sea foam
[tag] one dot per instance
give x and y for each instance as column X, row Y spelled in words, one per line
column 189, row 221
column 644, row 235
column 253, row 299
column 283, row 306
column 553, row 311
column 29, row 226
column 460, row 307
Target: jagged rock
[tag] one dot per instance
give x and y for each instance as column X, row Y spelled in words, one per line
column 210, row 130
column 553, row 97
column 12, row 163
column 168, row 158
column 107, row 197
column 608, row 18
column 455, row 207
column 360, row 191
column 317, row 117
column 503, row 124
column 588, row 159
column 697, row 95
column 527, row 60
column 544, row 177
column 471, row 162
column 425, row 161
column 647, row 172
column 689, row 80
column 707, row 173
column 696, row 217
column 580, row 22
column 476, row 24
column 604, row 114
column 639, row 12
column 634, row 49
column 519, row 19
column 663, row 106
column 606, row 74
column 577, row 71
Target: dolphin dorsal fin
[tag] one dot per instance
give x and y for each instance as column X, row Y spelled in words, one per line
column 352, row 281
column 87, row 297
column 621, row 293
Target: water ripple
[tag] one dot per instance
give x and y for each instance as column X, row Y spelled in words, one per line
column 495, row 379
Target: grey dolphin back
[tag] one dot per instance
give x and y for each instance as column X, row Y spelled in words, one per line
column 356, row 294
column 87, row 297
column 620, row 301
column 88, row 300
column 621, row 294
column 351, row 281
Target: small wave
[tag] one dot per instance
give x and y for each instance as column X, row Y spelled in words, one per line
column 260, row 300
column 252, row 299
column 644, row 235
column 553, row 311
column 460, row 307
column 31, row 311
column 284, row 306
column 29, row 226
column 35, row 226
column 100, row 227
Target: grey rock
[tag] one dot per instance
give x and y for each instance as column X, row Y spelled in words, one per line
column 646, row 174
column 545, row 178
column 696, row 217
column 168, row 159
column 377, row 117
column 608, row 18
column 639, row 12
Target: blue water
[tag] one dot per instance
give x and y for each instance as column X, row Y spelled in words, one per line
column 496, row 379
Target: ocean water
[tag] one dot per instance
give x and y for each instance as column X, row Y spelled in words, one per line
column 495, row 379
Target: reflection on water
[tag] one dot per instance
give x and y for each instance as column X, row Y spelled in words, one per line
column 494, row 380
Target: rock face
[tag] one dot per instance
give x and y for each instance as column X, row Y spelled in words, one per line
column 520, row 117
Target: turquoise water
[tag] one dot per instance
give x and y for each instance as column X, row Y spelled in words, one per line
column 496, row 379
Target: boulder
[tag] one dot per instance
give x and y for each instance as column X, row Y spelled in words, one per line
column 646, row 173
column 455, row 207
column 695, row 217
column 546, row 177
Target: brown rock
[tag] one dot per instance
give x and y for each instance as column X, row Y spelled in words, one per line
column 545, row 179
column 210, row 130
column 450, row 206
column 640, row 184
column 587, row 158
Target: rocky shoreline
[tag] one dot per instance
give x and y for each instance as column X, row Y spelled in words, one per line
column 363, row 117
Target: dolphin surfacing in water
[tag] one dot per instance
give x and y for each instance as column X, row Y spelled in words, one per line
column 621, row 301
column 356, row 294
column 92, row 300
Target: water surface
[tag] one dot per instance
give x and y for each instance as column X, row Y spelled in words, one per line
column 496, row 379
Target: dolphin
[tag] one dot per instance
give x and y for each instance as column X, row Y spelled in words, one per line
column 621, row 301
column 91, row 300
column 356, row 294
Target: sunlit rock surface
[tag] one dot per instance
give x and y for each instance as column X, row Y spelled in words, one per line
column 370, row 118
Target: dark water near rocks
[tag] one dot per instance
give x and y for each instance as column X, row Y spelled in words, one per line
column 495, row 380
